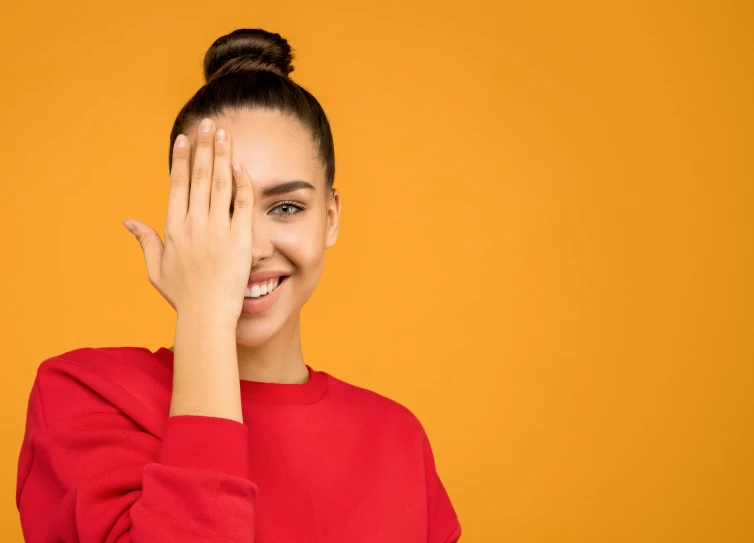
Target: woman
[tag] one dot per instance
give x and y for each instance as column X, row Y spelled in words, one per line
column 126, row 444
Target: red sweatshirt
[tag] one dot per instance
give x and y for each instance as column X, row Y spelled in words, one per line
column 324, row 461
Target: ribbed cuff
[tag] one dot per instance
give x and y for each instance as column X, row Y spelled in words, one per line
column 215, row 443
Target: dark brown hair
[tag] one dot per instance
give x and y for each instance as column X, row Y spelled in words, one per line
column 249, row 68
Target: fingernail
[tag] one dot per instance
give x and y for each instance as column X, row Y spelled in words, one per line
column 237, row 168
column 180, row 141
column 220, row 135
column 206, row 125
column 129, row 226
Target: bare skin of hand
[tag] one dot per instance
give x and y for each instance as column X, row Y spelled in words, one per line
column 204, row 265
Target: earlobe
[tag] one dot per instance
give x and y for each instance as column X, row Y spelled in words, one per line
column 332, row 237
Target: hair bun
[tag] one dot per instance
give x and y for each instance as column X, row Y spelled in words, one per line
column 248, row 49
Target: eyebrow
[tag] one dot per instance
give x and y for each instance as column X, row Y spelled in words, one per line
column 288, row 186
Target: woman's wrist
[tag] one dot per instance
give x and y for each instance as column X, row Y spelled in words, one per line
column 205, row 369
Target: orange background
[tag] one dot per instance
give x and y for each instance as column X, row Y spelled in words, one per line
column 545, row 247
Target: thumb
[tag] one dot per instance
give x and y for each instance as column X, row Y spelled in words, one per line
column 150, row 243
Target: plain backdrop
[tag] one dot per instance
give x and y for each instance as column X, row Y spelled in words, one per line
column 546, row 242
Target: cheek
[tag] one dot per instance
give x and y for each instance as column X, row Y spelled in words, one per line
column 302, row 243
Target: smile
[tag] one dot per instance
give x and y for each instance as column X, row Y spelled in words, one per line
column 263, row 288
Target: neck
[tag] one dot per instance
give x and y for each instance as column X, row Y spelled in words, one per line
column 279, row 360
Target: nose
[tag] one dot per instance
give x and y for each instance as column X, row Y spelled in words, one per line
column 261, row 245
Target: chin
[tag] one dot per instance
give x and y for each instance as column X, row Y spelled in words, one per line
column 257, row 332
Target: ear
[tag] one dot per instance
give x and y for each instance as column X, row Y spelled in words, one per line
column 333, row 218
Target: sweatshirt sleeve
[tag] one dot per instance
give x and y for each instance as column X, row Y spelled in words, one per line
column 101, row 478
column 443, row 525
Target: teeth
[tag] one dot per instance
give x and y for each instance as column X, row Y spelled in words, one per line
column 262, row 289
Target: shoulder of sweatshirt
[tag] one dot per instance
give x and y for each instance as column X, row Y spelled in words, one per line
column 125, row 380
column 374, row 410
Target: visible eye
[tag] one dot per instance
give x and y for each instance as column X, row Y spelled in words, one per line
column 287, row 208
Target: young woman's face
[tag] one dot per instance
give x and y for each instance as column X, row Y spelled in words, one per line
column 292, row 227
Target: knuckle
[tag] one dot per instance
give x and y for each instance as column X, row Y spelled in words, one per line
column 177, row 179
column 241, row 203
column 244, row 186
column 219, row 183
column 170, row 234
column 200, row 174
column 191, row 228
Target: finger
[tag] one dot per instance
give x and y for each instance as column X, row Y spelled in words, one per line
column 179, row 183
column 222, row 180
column 243, row 204
column 201, row 175
column 151, row 245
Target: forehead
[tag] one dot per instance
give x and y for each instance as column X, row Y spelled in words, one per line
column 273, row 147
